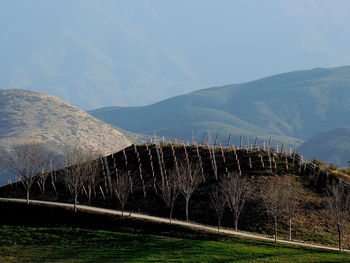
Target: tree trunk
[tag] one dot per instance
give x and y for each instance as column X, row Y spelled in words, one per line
column 236, row 223
column 187, row 201
column 171, row 213
column 339, row 238
column 75, row 203
column 28, row 195
column 89, row 196
column 122, row 212
column 219, row 224
column 290, row 229
column 275, row 229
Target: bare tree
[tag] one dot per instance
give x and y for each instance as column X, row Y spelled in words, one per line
column 41, row 180
column 74, row 173
column 169, row 190
column 218, row 202
column 272, row 196
column 189, row 177
column 44, row 175
column 122, row 187
column 291, row 198
column 26, row 160
column 237, row 189
column 339, row 205
column 92, row 171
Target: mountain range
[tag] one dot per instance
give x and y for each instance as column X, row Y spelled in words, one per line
column 290, row 107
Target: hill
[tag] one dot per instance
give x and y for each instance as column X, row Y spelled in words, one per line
column 290, row 107
column 332, row 146
column 148, row 166
column 27, row 114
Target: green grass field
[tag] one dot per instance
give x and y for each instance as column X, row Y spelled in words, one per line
column 127, row 243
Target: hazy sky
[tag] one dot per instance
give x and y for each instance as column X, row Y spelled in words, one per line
column 167, row 47
column 229, row 41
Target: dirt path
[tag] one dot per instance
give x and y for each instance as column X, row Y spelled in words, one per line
column 166, row 220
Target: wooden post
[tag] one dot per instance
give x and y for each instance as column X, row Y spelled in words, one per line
column 103, row 195
column 200, row 161
column 228, row 141
column 255, row 143
column 140, row 170
column 216, row 139
column 187, row 158
column 224, row 159
column 239, row 168
column 262, row 161
column 282, row 148
column 125, row 159
column 274, row 162
column 214, row 163
column 109, row 179
column 212, row 159
column 152, row 168
column 203, row 140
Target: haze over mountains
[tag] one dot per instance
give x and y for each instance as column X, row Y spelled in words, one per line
column 88, row 53
column 31, row 115
column 333, row 146
column 96, row 53
column 100, row 53
column 290, row 107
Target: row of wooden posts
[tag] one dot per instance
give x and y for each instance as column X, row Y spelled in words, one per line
column 212, row 150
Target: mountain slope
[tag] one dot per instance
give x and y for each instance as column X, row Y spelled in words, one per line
column 291, row 106
column 27, row 114
column 332, row 146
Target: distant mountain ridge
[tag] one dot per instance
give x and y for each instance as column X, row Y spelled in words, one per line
column 332, row 146
column 33, row 115
column 289, row 107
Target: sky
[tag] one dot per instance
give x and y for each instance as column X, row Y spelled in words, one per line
column 122, row 52
column 234, row 41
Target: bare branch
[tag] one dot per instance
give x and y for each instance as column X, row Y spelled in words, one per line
column 189, row 177
column 272, row 196
column 218, row 202
column 291, row 195
column 92, row 172
column 26, row 160
column 122, row 187
column 237, row 189
column 77, row 170
column 169, row 190
column 339, row 206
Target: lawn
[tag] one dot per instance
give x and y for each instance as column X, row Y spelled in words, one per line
column 135, row 241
